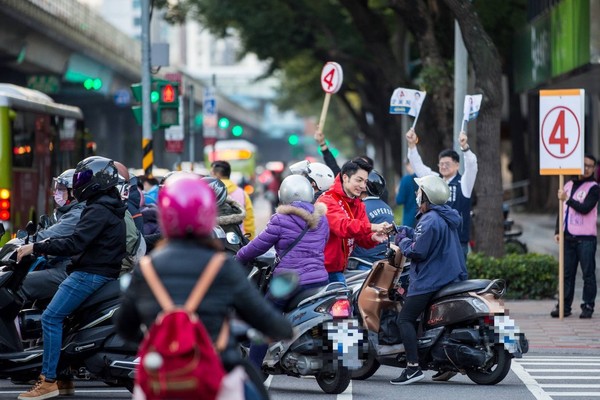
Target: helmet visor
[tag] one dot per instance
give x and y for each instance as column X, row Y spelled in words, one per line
column 82, row 178
column 59, row 184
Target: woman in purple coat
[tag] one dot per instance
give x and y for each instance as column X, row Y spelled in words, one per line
column 306, row 258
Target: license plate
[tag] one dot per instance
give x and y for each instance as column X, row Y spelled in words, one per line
column 349, row 341
column 507, row 332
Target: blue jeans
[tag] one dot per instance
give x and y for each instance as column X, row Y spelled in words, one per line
column 71, row 293
column 337, row 277
column 582, row 252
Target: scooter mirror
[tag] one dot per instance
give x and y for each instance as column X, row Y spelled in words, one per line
column 30, row 228
column 283, row 285
column 44, row 221
column 21, row 234
column 2, row 230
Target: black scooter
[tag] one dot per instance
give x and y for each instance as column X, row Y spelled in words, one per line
column 91, row 347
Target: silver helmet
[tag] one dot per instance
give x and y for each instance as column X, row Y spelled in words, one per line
column 435, row 188
column 295, row 188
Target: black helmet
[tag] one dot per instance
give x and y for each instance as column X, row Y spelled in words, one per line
column 375, row 184
column 94, row 175
column 219, row 188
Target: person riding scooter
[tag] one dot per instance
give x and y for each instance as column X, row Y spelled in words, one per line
column 296, row 218
column 187, row 215
column 436, row 260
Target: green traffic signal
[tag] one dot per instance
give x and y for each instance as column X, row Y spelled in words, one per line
column 223, row 123
column 92, row 84
column 237, row 130
column 293, row 140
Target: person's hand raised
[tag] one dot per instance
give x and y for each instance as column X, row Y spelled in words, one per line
column 319, row 137
column 463, row 140
column 412, row 138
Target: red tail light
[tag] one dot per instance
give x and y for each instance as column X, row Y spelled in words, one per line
column 4, row 204
column 340, row 309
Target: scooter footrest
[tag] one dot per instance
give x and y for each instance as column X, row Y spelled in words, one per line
column 384, row 350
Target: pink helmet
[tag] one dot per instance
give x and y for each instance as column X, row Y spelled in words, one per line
column 187, row 207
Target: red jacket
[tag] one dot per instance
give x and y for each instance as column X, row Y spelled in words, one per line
column 348, row 225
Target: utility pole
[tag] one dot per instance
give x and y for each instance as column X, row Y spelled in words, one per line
column 147, row 153
column 192, row 119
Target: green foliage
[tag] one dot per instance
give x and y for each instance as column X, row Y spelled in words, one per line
column 528, row 276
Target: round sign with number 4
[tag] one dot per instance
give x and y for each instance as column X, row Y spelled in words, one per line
column 332, row 77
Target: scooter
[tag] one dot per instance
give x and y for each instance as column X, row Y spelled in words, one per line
column 328, row 342
column 91, row 348
column 465, row 328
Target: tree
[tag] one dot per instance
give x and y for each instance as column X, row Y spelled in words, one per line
column 369, row 39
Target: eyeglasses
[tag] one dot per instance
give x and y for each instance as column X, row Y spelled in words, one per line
column 446, row 164
column 589, row 166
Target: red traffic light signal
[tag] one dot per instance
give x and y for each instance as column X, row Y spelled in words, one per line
column 167, row 94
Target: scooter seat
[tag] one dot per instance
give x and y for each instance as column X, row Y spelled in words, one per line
column 110, row 291
column 297, row 299
column 469, row 285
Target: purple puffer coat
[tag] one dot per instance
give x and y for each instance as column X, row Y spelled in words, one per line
column 307, row 257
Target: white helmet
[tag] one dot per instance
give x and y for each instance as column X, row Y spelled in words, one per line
column 319, row 173
column 295, row 188
column 435, row 188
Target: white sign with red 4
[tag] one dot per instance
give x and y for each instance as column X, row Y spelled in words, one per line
column 332, row 77
column 562, row 130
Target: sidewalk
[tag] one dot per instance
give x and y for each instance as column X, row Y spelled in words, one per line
column 533, row 317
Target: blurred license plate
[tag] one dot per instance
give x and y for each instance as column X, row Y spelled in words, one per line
column 348, row 339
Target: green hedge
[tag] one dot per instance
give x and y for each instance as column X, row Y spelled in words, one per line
column 528, row 276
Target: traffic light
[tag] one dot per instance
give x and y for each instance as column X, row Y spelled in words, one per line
column 164, row 101
column 92, row 84
column 223, row 123
column 293, row 140
column 168, row 104
column 237, row 130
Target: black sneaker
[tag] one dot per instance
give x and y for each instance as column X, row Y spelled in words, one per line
column 554, row 313
column 443, row 376
column 409, row 375
column 586, row 312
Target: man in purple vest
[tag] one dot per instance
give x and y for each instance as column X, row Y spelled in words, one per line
column 580, row 197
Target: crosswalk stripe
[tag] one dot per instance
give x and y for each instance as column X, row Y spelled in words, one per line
column 574, row 394
column 560, row 363
column 570, row 385
column 530, row 383
column 346, row 394
column 562, row 377
column 561, row 370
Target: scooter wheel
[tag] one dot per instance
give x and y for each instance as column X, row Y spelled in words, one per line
column 368, row 369
column 334, row 382
column 497, row 368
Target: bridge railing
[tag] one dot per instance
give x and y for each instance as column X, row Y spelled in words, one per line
column 84, row 26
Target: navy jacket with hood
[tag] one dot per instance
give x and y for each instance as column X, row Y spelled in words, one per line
column 435, row 251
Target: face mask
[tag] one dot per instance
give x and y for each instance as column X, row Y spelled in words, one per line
column 419, row 198
column 59, row 198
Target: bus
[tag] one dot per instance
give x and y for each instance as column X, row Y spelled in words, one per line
column 39, row 139
column 240, row 153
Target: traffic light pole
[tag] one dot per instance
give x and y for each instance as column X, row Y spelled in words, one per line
column 148, row 155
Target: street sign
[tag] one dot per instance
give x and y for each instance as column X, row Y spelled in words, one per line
column 174, row 134
column 562, row 131
column 122, row 98
column 209, row 110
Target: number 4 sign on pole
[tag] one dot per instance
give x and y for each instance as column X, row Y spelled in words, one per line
column 561, row 151
column 332, row 77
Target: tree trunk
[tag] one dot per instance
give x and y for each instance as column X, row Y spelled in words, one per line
column 486, row 64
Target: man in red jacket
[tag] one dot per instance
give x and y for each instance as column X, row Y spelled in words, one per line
column 348, row 221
